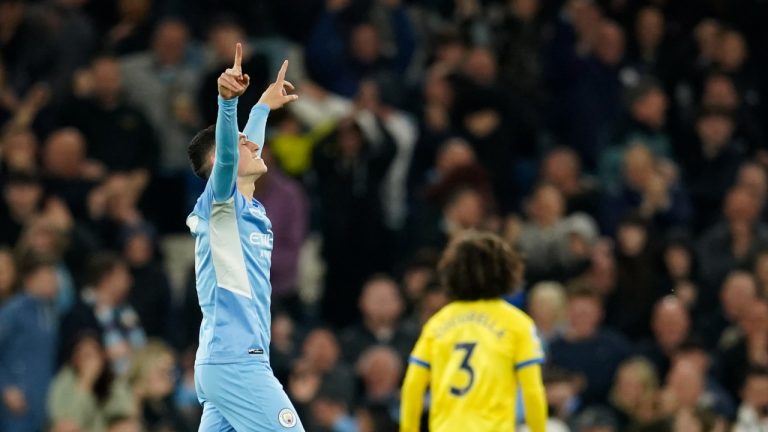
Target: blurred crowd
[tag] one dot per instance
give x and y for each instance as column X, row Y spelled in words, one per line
column 619, row 144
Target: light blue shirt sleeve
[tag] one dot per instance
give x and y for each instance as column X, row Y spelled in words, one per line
column 224, row 173
column 256, row 127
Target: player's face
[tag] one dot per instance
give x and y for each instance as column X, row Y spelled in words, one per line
column 250, row 163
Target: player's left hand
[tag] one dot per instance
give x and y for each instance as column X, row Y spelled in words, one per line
column 276, row 95
column 233, row 83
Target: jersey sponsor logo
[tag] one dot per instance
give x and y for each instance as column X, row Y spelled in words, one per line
column 260, row 239
column 287, row 418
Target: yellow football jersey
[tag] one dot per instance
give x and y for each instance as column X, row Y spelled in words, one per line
column 472, row 350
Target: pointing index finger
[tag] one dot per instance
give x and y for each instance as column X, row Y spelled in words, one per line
column 281, row 73
column 238, row 56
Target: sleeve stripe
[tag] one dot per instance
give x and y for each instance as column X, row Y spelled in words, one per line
column 529, row 363
column 422, row 363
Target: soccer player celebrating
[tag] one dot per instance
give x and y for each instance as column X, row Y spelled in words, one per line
column 478, row 349
column 233, row 247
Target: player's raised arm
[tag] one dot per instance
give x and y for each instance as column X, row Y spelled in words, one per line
column 415, row 384
column 232, row 83
column 529, row 357
column 274, row 97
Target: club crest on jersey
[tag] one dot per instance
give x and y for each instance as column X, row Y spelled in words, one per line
column 287, row 418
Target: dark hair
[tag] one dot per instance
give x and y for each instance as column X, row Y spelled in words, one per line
column 756, row 372
column 103, row 385
column 101, row 265
column 225, row 21
column 199, row 148
column 29, row 264
column 583, row 290
column 480, row 266
column 22, row 178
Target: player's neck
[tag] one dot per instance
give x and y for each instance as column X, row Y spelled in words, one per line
column 246, row 185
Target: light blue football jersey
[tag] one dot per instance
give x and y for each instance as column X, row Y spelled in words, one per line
column 233, row 253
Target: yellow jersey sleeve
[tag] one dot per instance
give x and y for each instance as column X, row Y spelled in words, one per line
column 528, row 347
column 415, row 384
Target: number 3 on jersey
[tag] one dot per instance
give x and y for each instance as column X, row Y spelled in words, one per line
column 467, row 348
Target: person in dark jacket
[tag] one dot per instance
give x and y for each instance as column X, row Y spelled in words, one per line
column 103, row 308
column 150, row 294
column 28, row 343
column 349, row 171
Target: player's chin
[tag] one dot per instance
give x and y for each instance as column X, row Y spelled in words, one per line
column 260, row 167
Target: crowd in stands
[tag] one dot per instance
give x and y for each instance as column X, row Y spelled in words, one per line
column 620, row 145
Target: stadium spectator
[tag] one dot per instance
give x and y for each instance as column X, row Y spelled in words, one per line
column 651, row 52
column 150, row 293
column 381, row 307
column 288, row 210
column 679, row 269
column 67, row 171
column 84, row 391
column 320, row 373
column 132, row 29
column 48, row 237
column 28, row 343
column 464, row 209
column 331, row 413
column 636, row 279
column 22, row 200
column 730, row 243
column 102, row 308
column 432, row 300
column 750, row 350
column 339, row 61
column 349, row 173
column 27, row 47
column 561, row 168
column 685, row 392
column 380, row 369
column 163, row 84
column 547, row 237
column 695, row 352
column 634, row 393
column 650, row 189
column 546, row 304
column 646, row 105
column 118, row 134
column 711, row 163
column 284, row 345
column 223, row 34
column 19, row 151
column 754, row 395
column 737, row 293
column 151, row 378
column 671, row 325
column 584, row 334
column 562, row 388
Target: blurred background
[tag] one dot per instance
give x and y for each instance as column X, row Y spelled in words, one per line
column 619, row 144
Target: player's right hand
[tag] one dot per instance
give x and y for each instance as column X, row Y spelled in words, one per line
column 233, row 83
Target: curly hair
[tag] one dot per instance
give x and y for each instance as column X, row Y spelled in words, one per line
column 479, row 266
